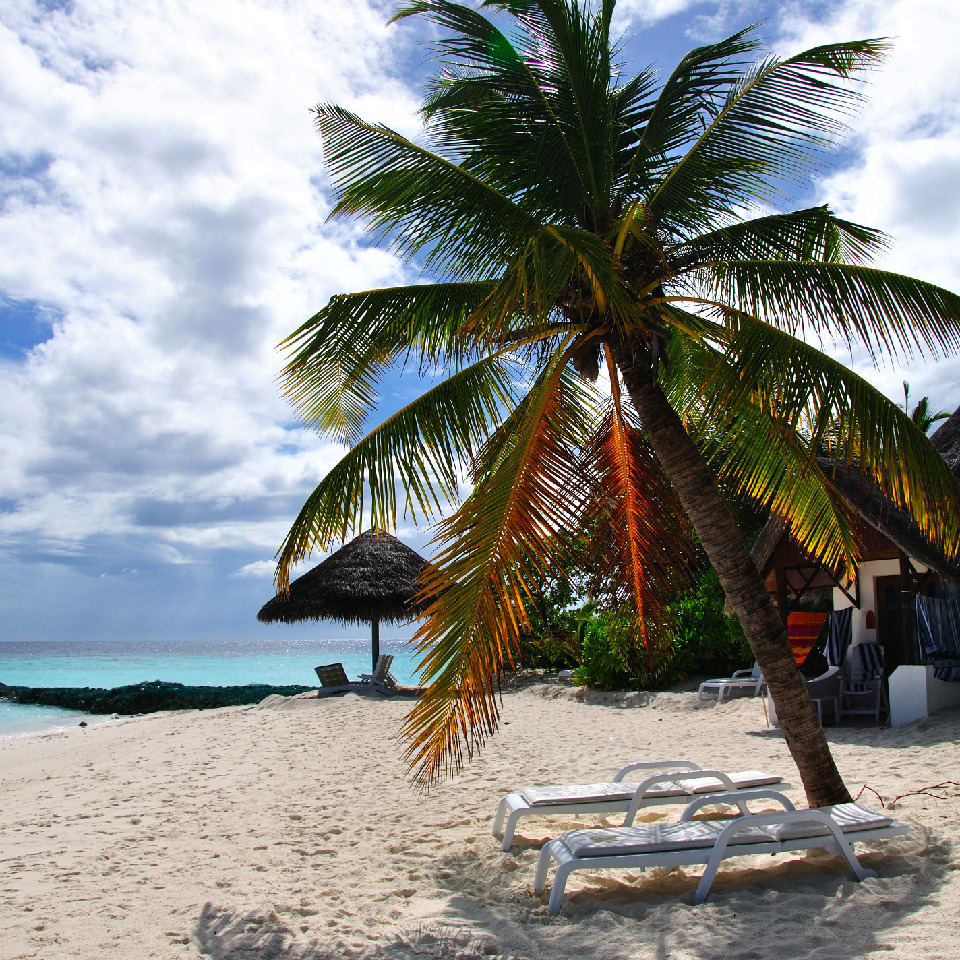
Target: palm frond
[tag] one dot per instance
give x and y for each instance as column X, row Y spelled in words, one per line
column 420, row 202
column 676, row 115
column 878, row 310
column 773, row 125
column 814, row 234
column 341, row 352
column 421, row 449
column 640, row 547
column 806, row 392
column 479, row 578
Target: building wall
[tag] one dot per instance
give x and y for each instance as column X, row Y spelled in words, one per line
column 869, row 570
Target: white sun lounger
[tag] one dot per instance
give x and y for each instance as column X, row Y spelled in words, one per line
column 619, row 796
column 834, row 829
column 749, row 680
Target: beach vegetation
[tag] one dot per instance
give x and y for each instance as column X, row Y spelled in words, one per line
column 621, row 305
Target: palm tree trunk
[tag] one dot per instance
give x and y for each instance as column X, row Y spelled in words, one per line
column 723, row 542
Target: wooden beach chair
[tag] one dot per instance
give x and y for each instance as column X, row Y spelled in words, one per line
column 834, row 829
column 686, row 781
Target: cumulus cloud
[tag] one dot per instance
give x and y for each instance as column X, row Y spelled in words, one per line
column 900, row 172
column 163, row 197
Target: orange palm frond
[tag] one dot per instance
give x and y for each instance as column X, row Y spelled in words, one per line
column 490, row 549
column 642, row 547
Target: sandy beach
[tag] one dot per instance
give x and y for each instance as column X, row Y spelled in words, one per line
column 289, row 830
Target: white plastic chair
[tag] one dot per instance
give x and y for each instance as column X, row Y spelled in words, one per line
column 834, row 829
column 749, row 680
column 381, row 678
column 685, row 782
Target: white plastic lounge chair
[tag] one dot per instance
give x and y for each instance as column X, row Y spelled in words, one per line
column 834, row 829
column 620, row 796
column 333, row 679
column 749, row 680
column 381, row 679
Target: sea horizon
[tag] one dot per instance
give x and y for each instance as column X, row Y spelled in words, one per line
column 214, row 663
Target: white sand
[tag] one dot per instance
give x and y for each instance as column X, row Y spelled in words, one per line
column 290, row 830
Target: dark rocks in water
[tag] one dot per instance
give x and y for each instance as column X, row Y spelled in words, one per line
column 145, row 697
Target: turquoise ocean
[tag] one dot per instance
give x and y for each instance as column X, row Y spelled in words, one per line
column 203, row 664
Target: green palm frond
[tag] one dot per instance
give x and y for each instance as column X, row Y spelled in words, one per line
column 761, row 458
column 341, row 352
column 421, row 449
column 675, row 116
column 479, row 578
column 814, row 235
column 809, row 393
column 755, row 452
column 772, row 125
column 878, row 310
column 421, row 202
column 474, row 103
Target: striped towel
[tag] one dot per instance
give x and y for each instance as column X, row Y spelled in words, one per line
column 938, row 629
column 840, row 633
column 867, row 666
column 803, row 629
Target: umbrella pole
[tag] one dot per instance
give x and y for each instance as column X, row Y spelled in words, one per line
column 375, row 641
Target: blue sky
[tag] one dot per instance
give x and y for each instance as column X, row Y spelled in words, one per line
column 162, row 227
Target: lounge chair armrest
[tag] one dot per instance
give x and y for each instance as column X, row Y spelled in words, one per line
column 746, row 674
column 644, row 790
column 738, row 798
column 654, row 765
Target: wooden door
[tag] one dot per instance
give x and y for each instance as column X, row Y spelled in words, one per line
column 891, row 622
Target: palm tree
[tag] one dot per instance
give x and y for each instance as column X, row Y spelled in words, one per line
column 575, row 219
column 921, row 414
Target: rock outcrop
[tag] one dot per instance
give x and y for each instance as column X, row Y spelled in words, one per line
column 144, row 697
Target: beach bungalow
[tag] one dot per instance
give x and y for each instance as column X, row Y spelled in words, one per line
column 897, row 564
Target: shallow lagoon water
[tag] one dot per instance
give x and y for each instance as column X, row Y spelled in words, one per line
column 213, row 663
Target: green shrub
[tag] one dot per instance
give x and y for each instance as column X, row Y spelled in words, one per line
column 705, row 638
column 603, row 663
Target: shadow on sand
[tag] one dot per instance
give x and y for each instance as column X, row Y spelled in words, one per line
column 808, row 906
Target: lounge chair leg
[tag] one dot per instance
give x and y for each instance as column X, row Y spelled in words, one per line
column 559, row 885
column 706, row 881
column 498, row 819
column 543, row 865
column 510, row 829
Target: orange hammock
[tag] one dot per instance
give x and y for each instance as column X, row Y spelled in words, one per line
column 802, row 632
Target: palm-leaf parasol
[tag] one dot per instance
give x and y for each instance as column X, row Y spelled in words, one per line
column 374, row 577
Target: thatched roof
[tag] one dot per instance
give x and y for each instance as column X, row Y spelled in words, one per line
column 871, row 505
column 373, row 577
column 946, row 438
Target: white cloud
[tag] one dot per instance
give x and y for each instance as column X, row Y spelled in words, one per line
column 259, row 570
column 906, row 157
column 171, row 213
column 638, row 12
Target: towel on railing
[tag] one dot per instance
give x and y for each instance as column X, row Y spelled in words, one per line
column 839, row 635
column 803, row 629
column 938, row 629
column 867, row 667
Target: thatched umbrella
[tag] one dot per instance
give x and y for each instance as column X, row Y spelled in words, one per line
column 371, row 578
